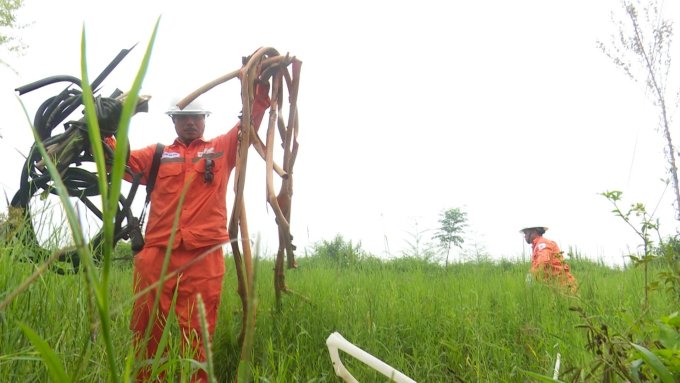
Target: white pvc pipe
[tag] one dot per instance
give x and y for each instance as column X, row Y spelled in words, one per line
column 556, row 372
column 336, row 342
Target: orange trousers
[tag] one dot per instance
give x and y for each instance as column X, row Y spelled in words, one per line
column 203, row 277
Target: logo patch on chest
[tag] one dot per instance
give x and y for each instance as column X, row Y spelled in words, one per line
column 205, row 151
column 170, row 155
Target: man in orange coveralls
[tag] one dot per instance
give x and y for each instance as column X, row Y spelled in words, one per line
column 204, row 166
column 547, row 262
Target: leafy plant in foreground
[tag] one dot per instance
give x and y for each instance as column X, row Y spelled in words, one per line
column 645, row 226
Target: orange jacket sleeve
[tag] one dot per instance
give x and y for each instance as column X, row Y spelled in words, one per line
column 111, row 142
column 139, row 160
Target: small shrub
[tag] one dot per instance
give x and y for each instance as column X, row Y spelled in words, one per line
column 339, row 251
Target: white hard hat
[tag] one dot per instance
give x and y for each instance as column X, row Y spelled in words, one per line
column 194, row 107
column 544, row 228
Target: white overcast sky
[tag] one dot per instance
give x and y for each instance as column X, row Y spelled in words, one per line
column 506, row 110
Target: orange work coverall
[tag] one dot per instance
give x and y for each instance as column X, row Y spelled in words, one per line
column 202, row 227
column 547, row 262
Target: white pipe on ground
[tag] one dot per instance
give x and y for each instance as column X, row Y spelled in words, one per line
column 336, row 342
column 556, row 373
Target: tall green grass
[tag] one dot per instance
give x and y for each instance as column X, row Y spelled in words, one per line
column 470, row 322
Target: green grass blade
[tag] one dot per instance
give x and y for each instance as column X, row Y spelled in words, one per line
column 165, row 336
column 206, row 341
column 539, row 377
column 120, row 155
column 655, row 363
column 129, row 364
column 110, row 196
column 83, row 358
column 49, row 357
column 93, row 128
column 244, row 370
column 129, row 106
column 100, row 288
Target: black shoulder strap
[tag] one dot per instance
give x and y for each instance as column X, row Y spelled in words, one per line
column 155, row 164
column 150, row 182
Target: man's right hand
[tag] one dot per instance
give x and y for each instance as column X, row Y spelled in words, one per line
column 111, row 143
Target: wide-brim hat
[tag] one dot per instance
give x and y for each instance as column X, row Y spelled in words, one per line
column 534, row 227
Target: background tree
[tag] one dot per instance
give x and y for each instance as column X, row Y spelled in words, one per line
column 450, row 233
column 642, row 49
column 8, row 24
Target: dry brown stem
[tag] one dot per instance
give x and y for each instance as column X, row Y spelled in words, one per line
column 264, row 64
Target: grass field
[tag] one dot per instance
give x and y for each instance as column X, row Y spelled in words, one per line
column 470, row 322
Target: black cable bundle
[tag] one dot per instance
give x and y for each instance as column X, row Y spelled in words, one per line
column 69, row 150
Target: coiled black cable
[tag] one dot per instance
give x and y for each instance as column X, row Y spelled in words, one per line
column 79, row 182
